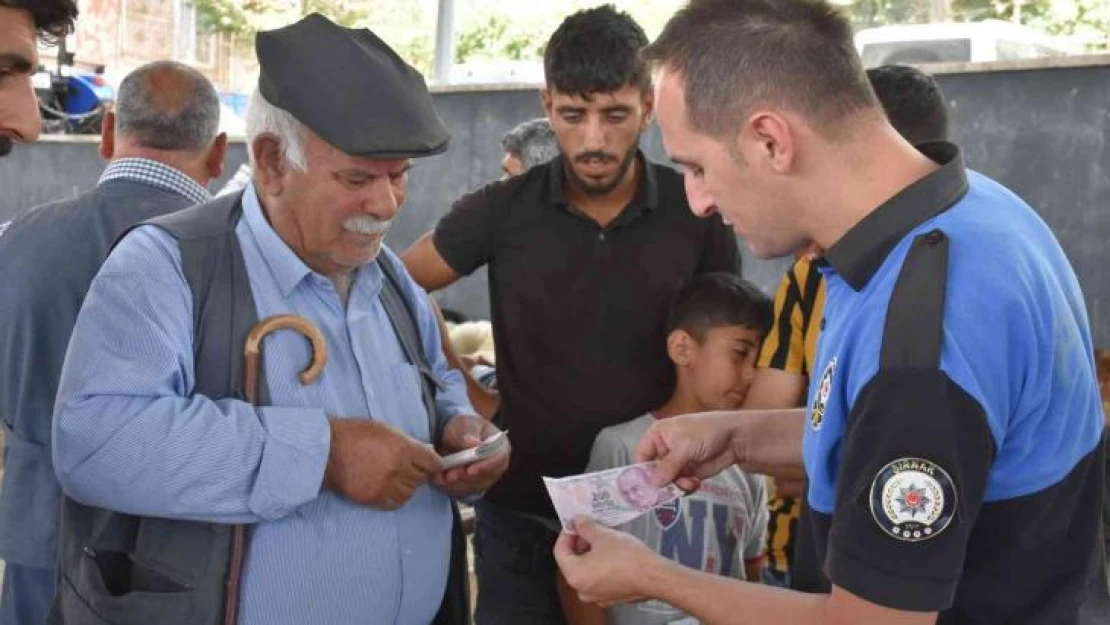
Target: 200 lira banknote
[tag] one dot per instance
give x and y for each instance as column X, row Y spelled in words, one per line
column 611, row 497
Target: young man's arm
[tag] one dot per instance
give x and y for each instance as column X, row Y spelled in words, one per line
column 461, row 242
column 485, row 401
column 427, row 266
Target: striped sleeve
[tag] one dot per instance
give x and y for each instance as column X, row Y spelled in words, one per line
column 784, row 346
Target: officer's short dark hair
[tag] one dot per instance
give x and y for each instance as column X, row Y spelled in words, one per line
column 714, row 300
column 732, row 55
column 913, row 102
column 53, row 18
column 596, row 51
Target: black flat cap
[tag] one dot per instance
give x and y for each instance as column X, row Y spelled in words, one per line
column 350, row 88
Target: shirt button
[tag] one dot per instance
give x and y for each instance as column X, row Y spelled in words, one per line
column 601, row 237
column 934, row 237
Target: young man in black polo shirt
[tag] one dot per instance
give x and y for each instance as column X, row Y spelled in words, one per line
column 584, row 254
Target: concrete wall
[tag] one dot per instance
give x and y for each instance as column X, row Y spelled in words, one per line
column 1042, row 131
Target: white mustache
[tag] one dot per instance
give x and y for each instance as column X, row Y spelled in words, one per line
column 367, row 225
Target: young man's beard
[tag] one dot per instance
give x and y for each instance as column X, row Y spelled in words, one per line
column 594, row 189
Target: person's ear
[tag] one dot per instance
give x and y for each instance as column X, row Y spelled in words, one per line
column 681, row 348
column 768, row 138
column 214, row 161
column 108, row 136
column 269, row 164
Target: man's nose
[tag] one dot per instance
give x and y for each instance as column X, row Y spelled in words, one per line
column 595, row 135
column 701, row 203
column 20, row 116
column 382, row 201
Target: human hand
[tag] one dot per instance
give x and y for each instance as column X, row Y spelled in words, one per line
column 688, row 448
column 374, row 465
column 605, row 566
column 464, row 432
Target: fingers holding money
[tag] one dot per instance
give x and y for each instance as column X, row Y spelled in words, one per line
column 688, row 448
column 602, row 565
column 372, row 464
column 611, row 497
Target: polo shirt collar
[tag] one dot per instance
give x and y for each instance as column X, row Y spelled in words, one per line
column 861, row 251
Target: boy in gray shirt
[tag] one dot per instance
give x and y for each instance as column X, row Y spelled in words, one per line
column 716, row 325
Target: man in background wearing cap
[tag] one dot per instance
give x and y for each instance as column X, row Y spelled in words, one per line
column 584, row 255
column 349, row 513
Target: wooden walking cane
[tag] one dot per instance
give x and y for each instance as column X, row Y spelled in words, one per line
column 252, row 356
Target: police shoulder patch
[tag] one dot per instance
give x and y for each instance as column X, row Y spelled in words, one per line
column 913, row 499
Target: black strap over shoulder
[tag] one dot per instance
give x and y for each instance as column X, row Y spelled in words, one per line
column 914, row 329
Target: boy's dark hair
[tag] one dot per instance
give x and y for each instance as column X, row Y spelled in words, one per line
column 53, row 18
column 734, row 55
column 712, row 300
column 913, row 102
column 596, row 51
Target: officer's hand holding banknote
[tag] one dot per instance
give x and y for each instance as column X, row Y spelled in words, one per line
column 607, row 566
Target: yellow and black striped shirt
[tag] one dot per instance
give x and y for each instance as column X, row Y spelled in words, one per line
column 791, row 346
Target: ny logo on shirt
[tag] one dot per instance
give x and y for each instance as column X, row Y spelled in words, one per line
column 685, row 541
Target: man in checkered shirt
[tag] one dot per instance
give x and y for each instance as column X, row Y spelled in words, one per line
column 163, row 147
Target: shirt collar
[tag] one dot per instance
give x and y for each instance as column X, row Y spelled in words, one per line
column 286, row 268
column 861, row 251
column 156, row 174
column 647, row 188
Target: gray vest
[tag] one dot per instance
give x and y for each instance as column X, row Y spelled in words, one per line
column 128, row 570
column 48, row 257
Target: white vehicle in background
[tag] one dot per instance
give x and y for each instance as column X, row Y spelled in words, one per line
column 990, row 40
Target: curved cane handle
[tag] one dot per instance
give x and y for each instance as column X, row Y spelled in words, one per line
column 252, row 350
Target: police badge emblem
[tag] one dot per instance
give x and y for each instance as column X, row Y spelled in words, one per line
column 821, row 398
column 913, row 499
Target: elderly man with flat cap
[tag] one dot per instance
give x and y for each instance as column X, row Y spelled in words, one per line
column 322, row 502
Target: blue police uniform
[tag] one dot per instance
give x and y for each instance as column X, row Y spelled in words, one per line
column 954, row 438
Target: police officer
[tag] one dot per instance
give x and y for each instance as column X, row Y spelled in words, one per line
column 952, row 437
